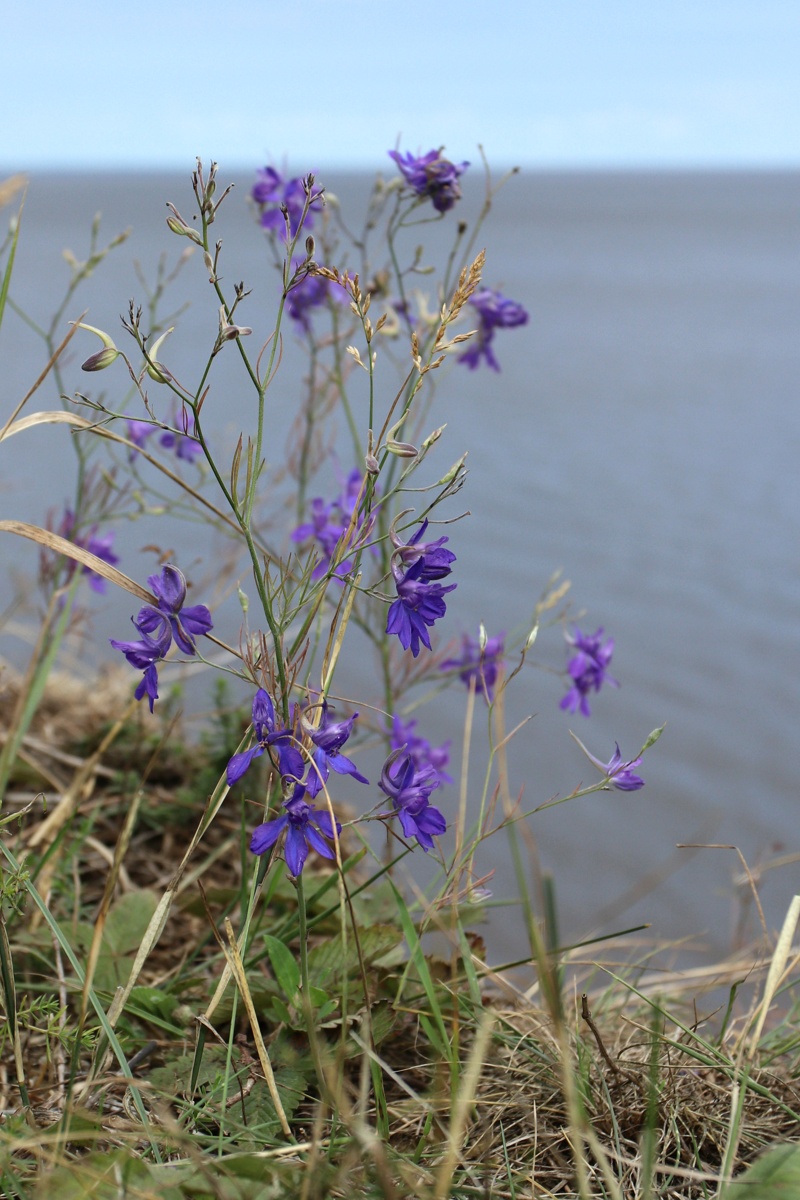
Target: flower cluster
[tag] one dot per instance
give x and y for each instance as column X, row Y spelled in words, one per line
column 495, row 311
column 273, row 194
column 304, row 823
column 100, row 546
column 588, row 669
column 402, row 736
column 329, row 523
column 417, row 568
column 409, row 788
column 305, row 752
column 479, row 666
column 160, row 625
column 432, row 176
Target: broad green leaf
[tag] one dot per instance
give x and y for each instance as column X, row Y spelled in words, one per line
column 284, row 966
column 774, row 1176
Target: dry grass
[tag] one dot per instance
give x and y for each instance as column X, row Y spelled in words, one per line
column 657, row 1094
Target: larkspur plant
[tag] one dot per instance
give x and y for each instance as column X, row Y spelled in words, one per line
column 351, row 541
column 353, row 571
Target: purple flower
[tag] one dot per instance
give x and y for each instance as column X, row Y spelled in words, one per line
column 158, row 627
column 185, row 443
column 420, row 751
column 271, row 191
column 619, row 773
column 100, row 546
column 433, row 176
column 328, row 739
column 268, row 733
column 171, row 619
column 482, row 666
column 409, row 789
column 495, row 311
column 305, row 826
column 588, row 669
column 329, row 523
column 420, row 599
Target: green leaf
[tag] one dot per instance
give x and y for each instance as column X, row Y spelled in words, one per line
column 128, row 920
column 284, row 967
column 774, row 1176
column 334, row 956
column 104, row 1176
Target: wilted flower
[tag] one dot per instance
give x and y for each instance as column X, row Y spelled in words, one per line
column 480, row 665
column 420, row 600
column 305, row 826
column 328, row 739
column 421, row 752
column 619, row 773
column 271, row 190
column 433, row 176
column 268, row 734
column 495, row 311
column 588, row 669
column 409, row 789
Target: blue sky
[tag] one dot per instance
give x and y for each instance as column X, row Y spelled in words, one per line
column 568, row 83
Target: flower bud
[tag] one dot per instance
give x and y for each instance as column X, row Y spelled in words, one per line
column 100, row 360
column 103, row 358
column 433, row 437
column 401, row 449
column 454, row 471
column 154, row 368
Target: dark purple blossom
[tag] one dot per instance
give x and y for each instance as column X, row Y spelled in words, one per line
column 158, row 626
column 306, row 828
column 328, row 739
column 99, row 545
column 329, row 523
column 588, row 669
column 432, row 176
column 268, row 734
column 479, row 665
column 495, row 311
column 409, row 789
column 420, row 597
column 619, row 773
column 421, row 752
column 171, row 619
column 271, row 190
